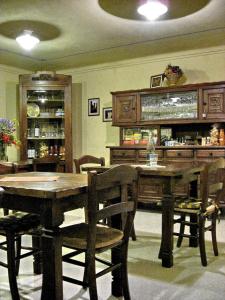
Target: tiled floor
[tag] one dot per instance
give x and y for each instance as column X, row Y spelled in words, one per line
column 148, row 280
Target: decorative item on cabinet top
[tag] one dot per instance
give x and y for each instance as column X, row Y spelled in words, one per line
column 156, row 81
column 172, row 74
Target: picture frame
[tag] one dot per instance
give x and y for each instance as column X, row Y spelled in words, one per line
column 107, row 114
column 156, row 81
column 94, row 107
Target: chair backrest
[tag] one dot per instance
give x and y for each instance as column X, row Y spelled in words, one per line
column 88, row 159
column 6, row 168
column 212, row 182
column 112, row 188
column 46, row 164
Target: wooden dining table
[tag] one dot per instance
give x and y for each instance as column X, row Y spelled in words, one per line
column 50, row 195
column 51, row 198
column 168, row 176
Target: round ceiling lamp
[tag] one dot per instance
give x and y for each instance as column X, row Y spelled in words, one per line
column 152, row 9
column 129, row 9
column 26, row 40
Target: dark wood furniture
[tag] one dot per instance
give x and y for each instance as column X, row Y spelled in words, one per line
column 12, row 227
column 110, row 187
column 195, row 212
column 167, row 177
column 46, row 164
column 88, row 159
column 178, row 117
column 45, row 116
column 49, row 199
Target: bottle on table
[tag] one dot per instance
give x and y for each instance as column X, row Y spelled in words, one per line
column 152, row 156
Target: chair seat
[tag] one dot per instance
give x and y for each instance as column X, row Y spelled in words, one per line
column 105, row 236
column 194, row 206
column 19, row 222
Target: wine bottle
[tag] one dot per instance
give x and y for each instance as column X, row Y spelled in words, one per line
column 37, row 130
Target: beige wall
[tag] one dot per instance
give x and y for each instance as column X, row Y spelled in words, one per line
column 91, row 134
column 9, row 100
column 98, row 81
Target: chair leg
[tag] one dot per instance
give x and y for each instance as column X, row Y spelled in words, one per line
column 125, row 282
column 202, row 240
column 11, row 265
column 213, row 233
column 182, row 226
column 133, row 234
column 18, row 253
column 91, row 274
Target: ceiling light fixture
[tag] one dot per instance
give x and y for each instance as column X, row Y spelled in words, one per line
column 26, row 40
column 152, row 9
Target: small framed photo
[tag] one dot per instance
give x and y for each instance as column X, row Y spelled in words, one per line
column 156, row 81
column 107, row 114
column 94, row 107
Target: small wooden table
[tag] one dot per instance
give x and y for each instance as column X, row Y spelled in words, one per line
column 169, row 176
column 50, row 199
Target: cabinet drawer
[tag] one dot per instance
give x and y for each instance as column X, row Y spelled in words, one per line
column 179, row 153
column 124, row 153
column 143, row 153
column 210, row 153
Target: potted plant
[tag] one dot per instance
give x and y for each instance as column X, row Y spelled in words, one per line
column 7, row 136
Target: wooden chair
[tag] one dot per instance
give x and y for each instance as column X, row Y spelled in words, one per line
column 201, row 210
column 46, row 164
column 88, row 159
column 12, row 227
column 92, row 238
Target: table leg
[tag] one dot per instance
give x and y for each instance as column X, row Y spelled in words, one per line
column 52, row 285
column 37, row 263
column 166, row 248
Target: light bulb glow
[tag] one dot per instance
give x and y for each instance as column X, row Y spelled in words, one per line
column 152, row 9
column 27, row 41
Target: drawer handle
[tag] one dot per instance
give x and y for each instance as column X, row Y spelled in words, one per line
column 210, row 154
column 178, row 154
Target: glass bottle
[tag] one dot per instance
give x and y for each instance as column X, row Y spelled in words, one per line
column 37, row 130
column 152, row 156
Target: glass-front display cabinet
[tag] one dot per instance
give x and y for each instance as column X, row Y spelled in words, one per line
column 45, row 117
column 170, row 105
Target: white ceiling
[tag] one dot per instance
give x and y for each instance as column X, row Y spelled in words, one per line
column 77, row 33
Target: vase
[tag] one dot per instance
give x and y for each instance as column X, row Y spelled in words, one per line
column 3, row 155
column 173, row 78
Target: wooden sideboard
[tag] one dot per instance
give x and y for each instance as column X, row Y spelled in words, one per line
column 183, row 114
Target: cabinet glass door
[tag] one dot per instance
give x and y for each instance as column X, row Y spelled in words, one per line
column 171, row 105
column 45, row 122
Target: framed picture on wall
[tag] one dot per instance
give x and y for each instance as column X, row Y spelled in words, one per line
column 156, row 81
column 94, row 107
column 107, row 114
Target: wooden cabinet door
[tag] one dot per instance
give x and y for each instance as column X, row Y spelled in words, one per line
column 124, row 109
column 213, row 103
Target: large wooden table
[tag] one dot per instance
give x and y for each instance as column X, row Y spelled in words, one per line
column 169, row 176
column 50, row 199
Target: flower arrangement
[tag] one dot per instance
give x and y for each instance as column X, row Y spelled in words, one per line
column 7, row 132
column 172, row 73
column 173, row 69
